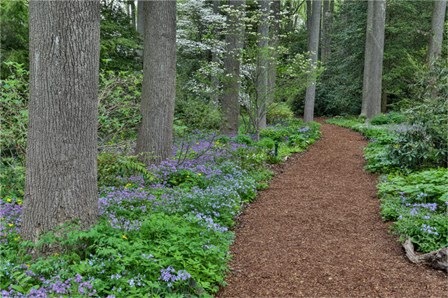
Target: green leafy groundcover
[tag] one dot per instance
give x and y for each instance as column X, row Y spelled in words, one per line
column 415, row 200
column 163, row 231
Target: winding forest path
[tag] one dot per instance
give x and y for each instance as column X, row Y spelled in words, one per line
column 317, row 232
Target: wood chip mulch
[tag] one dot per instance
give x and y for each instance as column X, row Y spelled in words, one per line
column 317, row 232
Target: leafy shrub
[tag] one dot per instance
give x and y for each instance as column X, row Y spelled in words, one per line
column 278, row 112
column 198, row 114
column 119, row 105
column 389, row 118
column 113, row 167
column 14, row 111
column 12, row 177
column 423, row 142
column 418, row 203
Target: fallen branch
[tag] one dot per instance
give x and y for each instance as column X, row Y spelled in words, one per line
column 436, row 259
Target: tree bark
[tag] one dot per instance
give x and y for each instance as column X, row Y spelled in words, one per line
column 273, row 45
column 133, row 14
column 155, row 136
column 436, row 37
column 373, row 77
column 61, row 157
column 262, row 71
column 367, row 57
column 140, row 17
column 327, row 20
column 231, row 83
column 313, row 48
column 215, row 58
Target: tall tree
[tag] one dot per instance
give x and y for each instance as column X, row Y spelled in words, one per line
column 436, row 37
column 155, row 136
column 327, row 21
column 215, row 55
column 61, row 158
column 262, row 74
column 367, row 57
column 232, row 60
column 140, row 16
column 133, row 13
column 376, row 15
column 313, row 48
column 273, row 47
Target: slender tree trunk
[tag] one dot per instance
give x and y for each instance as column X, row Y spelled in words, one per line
column 155, row 136
column 309, row 15
column 262, row 72
column 313, row 48
column 327, row 20
column 231, row 84
column 133, row 14
column 215, row 58
column 61, row 157
column 273, row 45
column 375, row 69
column 140, row 17
column 370, row 43
column 436, row 37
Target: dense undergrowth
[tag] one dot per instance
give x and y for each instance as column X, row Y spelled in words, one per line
column 162, row 231
column 413, row 185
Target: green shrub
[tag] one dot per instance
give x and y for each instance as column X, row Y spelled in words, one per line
column 389, row 118
column 423, row 141
column 14, row 111
column 418, row 204
column 279, row 112
column 112, row 168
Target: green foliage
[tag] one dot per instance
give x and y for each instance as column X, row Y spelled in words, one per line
column 119, row 106
column 407, row 31
column 389, row 118
column 423, row 141
column 187, row 179
column 14, row 110
column 121, row 45
column 195, row 113
column 339, row 90
column 113, row 167
column 12, row 177
column 418, row 204
column 132, row 261
column 279, row 112
column 14, row 35
column 292, row 77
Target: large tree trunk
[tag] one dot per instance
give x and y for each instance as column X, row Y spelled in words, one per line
column 436, row 37
column 327, row 20
column 262, row 71
column 140, row 17
column 231, row 84
column 155, row 136
column 367, row 57
column 313, row 48
column 374, row 73
column 61, row 158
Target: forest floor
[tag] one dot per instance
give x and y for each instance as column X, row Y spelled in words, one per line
column 317, row 232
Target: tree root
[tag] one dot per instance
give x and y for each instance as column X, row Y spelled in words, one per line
column 436, row 259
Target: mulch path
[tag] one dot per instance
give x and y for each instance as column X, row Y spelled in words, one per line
column 317, row 232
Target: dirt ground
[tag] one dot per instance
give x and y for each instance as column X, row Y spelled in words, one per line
column 317, row 232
